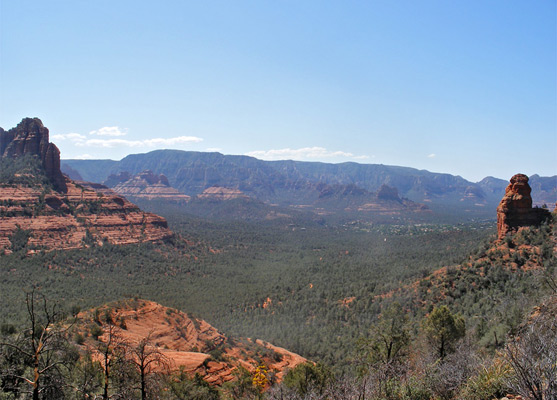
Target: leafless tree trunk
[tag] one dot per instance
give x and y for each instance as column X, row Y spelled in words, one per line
column 112, row 351
column 148, row 359
column 533, row 355
column 41, row 343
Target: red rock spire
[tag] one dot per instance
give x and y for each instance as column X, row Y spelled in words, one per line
column 515, row 209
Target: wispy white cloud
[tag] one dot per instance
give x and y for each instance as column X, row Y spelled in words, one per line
column 115, row 142
column 172, row 141
column 363, row 157
column 432, row 155
column 305, row 153
column 214, row 149
column 110, row 143
column 74, row 137
column 155, row 142
column 109, row 131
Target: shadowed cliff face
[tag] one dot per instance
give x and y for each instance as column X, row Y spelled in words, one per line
column 30, row 137
column 515, row 209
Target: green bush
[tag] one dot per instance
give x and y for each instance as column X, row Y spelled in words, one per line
column 415, row 389
column 96, row 331
column 488, row 383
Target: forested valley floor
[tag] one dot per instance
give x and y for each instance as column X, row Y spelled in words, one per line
column 321, row 291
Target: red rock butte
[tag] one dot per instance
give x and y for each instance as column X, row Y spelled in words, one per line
column 146, row 185
column 30, row 137
column 75, row 214
column 218, row 193
column 515, row 209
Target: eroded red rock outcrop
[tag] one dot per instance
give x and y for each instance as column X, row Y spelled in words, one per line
column 35, row 215
column 515, row 209
column 218, row 193
column 79, row 217
column 187, row 342
column 146, row 185
column 30, row 137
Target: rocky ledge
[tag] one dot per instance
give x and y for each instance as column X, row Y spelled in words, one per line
column 77, row 218
column 186, row 342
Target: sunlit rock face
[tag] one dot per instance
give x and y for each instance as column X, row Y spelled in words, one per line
column 515, row 209
column 185, row 341
column 80, row 217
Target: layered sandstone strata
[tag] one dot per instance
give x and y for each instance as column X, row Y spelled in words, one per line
column 218, row 193
column 77, row 218
column 64, row 215
column 146, row 185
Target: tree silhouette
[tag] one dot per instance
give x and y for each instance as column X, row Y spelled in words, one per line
column 147, row 360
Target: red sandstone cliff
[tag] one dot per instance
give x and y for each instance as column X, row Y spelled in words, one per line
column 80, row 217
column 72, row 215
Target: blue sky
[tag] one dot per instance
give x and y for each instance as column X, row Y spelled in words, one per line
column 463, row 87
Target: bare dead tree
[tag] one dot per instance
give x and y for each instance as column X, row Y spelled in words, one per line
column 112, row 353
column 343, row 388
column 532, row 355
column 147, row 359
column 446, row 376
column 86, row 378
column 41, row 346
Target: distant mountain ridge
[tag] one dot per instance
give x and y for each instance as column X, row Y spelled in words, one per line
column 254, row 179
column 297, row 182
